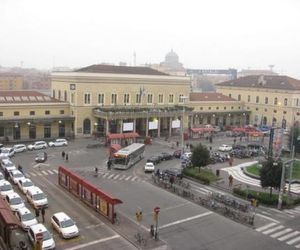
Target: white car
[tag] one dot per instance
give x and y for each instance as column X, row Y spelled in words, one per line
column 36, row 197
column 225, row 148
column 37, row 145
column 25, row 184
column 149, row 167
column 14, row 201
column 6, row 152
column 64, row 225
column 15, row 176
column 26, row 218
column 5, row 188
column 58, row 143
column 1, row 177
column 35, row 230
column 8, row 165
column 19, row 148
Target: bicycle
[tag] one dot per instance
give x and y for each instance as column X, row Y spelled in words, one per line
column 140, row 239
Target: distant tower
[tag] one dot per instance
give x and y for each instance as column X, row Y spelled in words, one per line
column 134, row 58
column 271, row 66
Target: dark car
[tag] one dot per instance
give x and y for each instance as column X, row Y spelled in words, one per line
column 173, row 172
column 166, row 156
column 239, row 147
column 177, row 153
column 154, row 159
column 41, row 157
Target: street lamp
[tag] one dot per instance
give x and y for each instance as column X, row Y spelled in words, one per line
column 183, row 98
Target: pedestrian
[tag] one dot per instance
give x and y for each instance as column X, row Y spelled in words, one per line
column 230, row 178
column 177, row 144
column 6, row 174
column 43, row 214
column 67, row 157
column 63, row 154
column 37, row 213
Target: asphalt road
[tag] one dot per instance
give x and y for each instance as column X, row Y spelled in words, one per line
column 182, row 224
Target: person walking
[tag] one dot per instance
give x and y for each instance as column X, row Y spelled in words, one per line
column 43, row 214
column 63, row 154
column 67, row 157
column 37, row 214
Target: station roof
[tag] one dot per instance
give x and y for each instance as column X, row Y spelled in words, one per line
column 112, row 69
column 209, row 97
column 23, row 96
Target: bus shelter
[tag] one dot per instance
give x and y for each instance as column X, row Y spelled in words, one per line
column 102, row 202
column 123, row 139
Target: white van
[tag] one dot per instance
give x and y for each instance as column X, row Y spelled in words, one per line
column 35, row 230
column 36, row 197
column 5, row 188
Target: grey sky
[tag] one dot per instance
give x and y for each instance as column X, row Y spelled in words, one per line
column 205, row 34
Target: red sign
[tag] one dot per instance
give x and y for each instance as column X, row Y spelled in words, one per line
column 157, row 209
column 39, row 236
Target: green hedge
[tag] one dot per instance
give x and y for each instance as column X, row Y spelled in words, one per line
column 265, row 198
column 205, row 176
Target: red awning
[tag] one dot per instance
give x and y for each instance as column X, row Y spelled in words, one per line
column 123, row 135
column 202, row 130
column 256, row 134
column 115, row 147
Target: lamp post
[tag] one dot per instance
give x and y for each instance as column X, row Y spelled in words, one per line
column 183, row 98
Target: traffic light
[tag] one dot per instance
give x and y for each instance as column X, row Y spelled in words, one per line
column 139, row 215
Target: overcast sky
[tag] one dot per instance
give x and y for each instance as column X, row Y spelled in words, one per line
column 242, row 34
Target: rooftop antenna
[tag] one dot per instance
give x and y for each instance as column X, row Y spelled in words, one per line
column 134, row 58
column 271, row 66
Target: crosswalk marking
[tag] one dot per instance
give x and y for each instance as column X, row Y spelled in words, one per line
column 122, row 177
column 109, row 177
column 297, row 246
column 49, row 171
column 39, row 174
column 128, row 178
column 55, row 171
column 287, row 230
column 116, row 177
column 134, row 178
column 265, row 227
column 288, row 236
column 106, row 174
column 293, row 241
column 44, row 172
column 273, row 229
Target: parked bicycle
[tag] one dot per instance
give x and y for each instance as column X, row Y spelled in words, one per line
column 140, row 239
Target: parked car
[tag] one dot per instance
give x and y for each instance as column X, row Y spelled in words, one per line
column 7, row 165
column 7, row 152
column 64, row 225
column 1, row 145
column 177, row 153
column 41, row 157
column 58, row 143
column 25, row 184
column 16, row 175
column 175, row 172
column 19, row 148
column 154, row 159
column 1, row 177
column 36, row 197
column 26, row 218
column 5, row 188
column 149, row 167
column 37, row 145
column 166, row 156
column 225, row 148
column 35, row 230
column 14, row 201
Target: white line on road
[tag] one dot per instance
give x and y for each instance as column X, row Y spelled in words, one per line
column 55, row 170
column 134, row 178
column 44, row 172
column 128, row 178
column 93, row 226
column 185, row 220
column 265, row 227
column 116, row 177
column 293, row 241
column 93, row 242
column 273, row 229
column 268, row 218
column 285, row 231
column 288, row 236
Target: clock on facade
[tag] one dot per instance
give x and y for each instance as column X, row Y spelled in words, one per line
column 72, row 86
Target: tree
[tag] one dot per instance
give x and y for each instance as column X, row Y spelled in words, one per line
column 270, row 174
column 200, row 156
column 293, row 137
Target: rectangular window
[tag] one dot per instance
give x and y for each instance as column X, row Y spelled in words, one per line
column 138, row 98
column 87, row 98
column 257, row 99
column 150, row 98
column 180, row 99
column 47, row 112
column 113, row 98
column 16, row 113
column 47, row 130
column 72, row 98
column 160, row 98
column 61, row 112
column 126, row 98
column 249, row 98
column 100, row 98
column 32, row 113
column 171, row 98
column 1, row 113
column 266, row 100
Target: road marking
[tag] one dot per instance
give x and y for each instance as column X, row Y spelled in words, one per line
column 122, row 177
column 55, row 171
column 110, row 176
column 50, row 172
column 116, row 177
column 265, row 227
column 106, row 174
column 44, row 172
column 93, row 226
column 288, row 236
column 128, row 178
column 93, row 242
column 298, row 246
column 39, row 174
column 293, row 241
column 273, row 229
column 285, row 231
column 185, row 220
column 134, row 178
column 267, row 217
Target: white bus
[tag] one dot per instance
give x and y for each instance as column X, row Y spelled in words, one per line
column 128, row 156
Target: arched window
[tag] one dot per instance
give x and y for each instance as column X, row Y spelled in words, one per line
column 65, row 95
column 275, row 101
column 257, row 99
column 239, row 97
column 87, row 126
column 59, row 95
column 285, row 101
column 265, row 120
column 53, row 93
